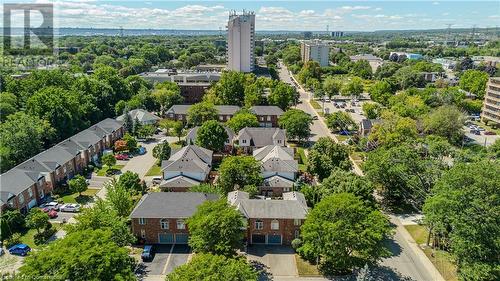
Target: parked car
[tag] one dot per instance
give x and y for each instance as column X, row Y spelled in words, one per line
column 344, row 133
column 475, row 132
column 121, row 156
column 46, row 207
column 19, row 249
column 490, row 133
column 481, row 129
column 315, row 117
column 70, row 208
column 141, row 150
column 157, row 180
column 147, row 253
column 52, row 214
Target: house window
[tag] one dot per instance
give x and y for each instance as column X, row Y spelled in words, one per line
column 296, row 222
column 297, row 233
column 42, row 193
column 142, row 221
column 164, row 223
column 181, row 224
column 30, row 192
column 11, row 203
column 279, row 141
column 286, row 189
column 259, row 224
column 21, row 198
column 143, row 233
column 64, row 169
column 268, row 118
column 221, row 117
column 244, row 141
column 275, row 225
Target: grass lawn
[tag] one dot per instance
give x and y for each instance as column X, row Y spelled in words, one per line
column 305, row 268
column 442, row 260
column 102, row 171
column 315, row 104
column 75, row 198
column 155, row 170
column 303, row 159
column 341, row 137
column 29, row 236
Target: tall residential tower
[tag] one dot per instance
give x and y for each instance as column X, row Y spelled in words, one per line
column 315, row 50
column 241, row 41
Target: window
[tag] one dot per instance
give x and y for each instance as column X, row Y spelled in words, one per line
column 64, row 169
column 275, row 225
column 268, row 118
column 279, row 141
column 11, row 203
column 42, row 193
column 221, row 117
column 21, row 198
column 286, row 189
column 181, row 224
column 296, row 222
column 142, row 221
column 297, row 233
column 30, row 192
column 259, row 224
column 244, row 141
column 164, row 223
column 143, row 233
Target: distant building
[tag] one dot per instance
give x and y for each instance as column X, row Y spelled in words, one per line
column 410, row 56
column 446, row 63
column 374, row 61
column 487, row 60
column 491, row 105
column 241, row 42
column 143, row 116
column 316, row 51
column 179, row 112
column 307, row 35
column 337, row 33
column 220, row 43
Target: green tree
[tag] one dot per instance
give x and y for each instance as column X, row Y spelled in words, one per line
column 236, row 172
column 118, row 195
column 131, row 142
column 11, row 221
column 108, row 160
column 354, row 87
column 326, row 155
column 310, row 70
column 474, row 81
column 206, row 188
column 242, row 119
column 291, row 55
column 8, row 104
column 282, row 95
column 178, row 129
column 332, row 86
column 162, row 151
column 494, row 149
column 462, row 212
column 386, row 70
column 78, row 184
column 408, row 106
column 341, row 181
column 407, row 77
column 102, row 215
column 230, row 89
column 131, row 182
column 446, row 121
column 254, row 95
column 206, row 267
column 15, row 130
column 215, row 228
column 380, row 92
column 82, row 255
column 200, row 113
column 393, row 130
column 146, row 131
column 37, row 219
column 342, row 233
column 166, row 96
column 211, row 135
column 362, row 69
column 340, row 121
column 296, row 123
column 371, row 110
column 128, row 123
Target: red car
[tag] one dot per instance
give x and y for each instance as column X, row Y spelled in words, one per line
column 52, row 214
column 121, row 156
column 490, row 133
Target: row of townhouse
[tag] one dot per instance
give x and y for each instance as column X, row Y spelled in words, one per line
column 160, row 218
column 267, row 115
column 27, row 184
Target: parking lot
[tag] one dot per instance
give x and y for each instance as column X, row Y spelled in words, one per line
column 482, row 138
column 357, row 115
column 166, row 259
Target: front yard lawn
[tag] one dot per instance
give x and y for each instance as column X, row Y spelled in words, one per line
column 304, row 268
column 442, row 260
column 84, row 198
column 102, row 172
column 28, row 237
column 155, row 170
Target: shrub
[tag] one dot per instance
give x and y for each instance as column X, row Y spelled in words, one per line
column 296, row 243
column 42, row 237
column 13, row 240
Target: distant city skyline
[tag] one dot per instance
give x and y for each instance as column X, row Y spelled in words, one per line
column 273, row 15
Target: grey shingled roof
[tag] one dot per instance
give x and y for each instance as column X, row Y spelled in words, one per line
column 260, row 136
column 170, row 204
column 266, row 110
column 292, row 207
column 190, row 158
column 141, row 115
column 277, row 181
column 179, row 181
column 227, row 109
column 179, row 109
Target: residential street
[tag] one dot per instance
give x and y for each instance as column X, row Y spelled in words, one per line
column 408, row 261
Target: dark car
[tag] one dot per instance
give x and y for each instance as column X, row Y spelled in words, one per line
column 147, row 253
column 475, row 132
column 19, row 249
column 344, row 133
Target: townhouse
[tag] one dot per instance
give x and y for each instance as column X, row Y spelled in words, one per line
column 267, row 115
column 187, row 167
column 160, row 217
column 228, row 143
column 142, row 116
column 250, row 138
column 279, row 169
column 27, row 184
column 179, row 112
column 271, row 222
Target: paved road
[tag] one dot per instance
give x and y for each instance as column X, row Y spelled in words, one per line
column 407, row 262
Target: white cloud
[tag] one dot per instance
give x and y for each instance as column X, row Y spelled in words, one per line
column 435, row 3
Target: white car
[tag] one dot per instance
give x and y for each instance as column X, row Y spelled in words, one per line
column 156, row 180
column 75, row 208
column 50, row 206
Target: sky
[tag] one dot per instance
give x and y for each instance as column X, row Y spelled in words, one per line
column 271, row 15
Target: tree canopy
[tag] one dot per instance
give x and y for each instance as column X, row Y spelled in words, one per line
column 211, row 135
column 239, row 171
column 241, row 120
column 296, row 123
column 201, row 112
column 326, row 155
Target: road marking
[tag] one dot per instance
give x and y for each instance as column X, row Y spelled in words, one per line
column 168, row 259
